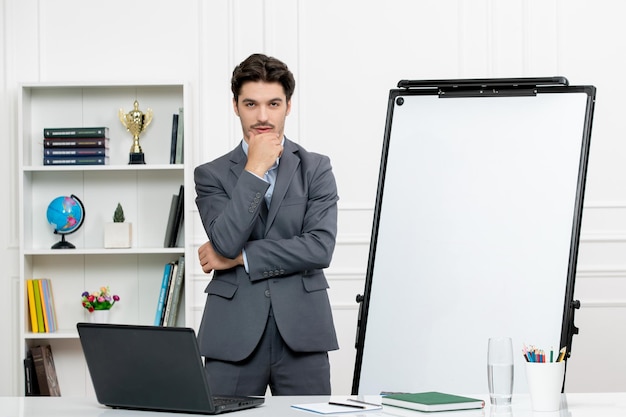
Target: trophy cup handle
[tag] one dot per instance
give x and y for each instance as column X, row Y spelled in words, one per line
column 122, row 116
column 147, row 118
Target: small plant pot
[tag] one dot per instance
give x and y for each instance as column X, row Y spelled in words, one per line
column 117, row 235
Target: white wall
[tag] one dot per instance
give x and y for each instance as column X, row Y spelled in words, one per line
column 346, row 55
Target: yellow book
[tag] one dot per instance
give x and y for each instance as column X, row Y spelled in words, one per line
column 31, row 306
column 40, row 325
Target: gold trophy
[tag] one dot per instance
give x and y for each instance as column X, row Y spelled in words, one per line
column 135, row 121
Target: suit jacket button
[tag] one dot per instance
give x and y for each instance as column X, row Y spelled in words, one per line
column 265, row 274
column 258, row 195
column 267, row 293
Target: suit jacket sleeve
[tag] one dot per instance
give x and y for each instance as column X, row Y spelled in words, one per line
column 312, row 246
column 302, row 236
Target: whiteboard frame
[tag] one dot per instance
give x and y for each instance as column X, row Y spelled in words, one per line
column 493, row 91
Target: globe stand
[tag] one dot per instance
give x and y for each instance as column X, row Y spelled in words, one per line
column 63, row 244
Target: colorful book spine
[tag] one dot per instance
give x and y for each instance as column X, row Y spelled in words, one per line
column 170, row 294
column 176, row 292
column 51, row 325
column 76, row 132
column 76, row 143
column 40, row 324
column 44, row 305
column 162, row 294
column 76, row 160
column 34, row 327
column 52, row 305
column 75, row 152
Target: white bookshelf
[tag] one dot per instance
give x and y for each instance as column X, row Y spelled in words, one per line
column 145, row 192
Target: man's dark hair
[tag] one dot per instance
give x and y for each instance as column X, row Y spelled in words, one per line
column 259, row 67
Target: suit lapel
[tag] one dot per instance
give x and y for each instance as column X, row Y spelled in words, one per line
column 238, row 160
column 287, row 167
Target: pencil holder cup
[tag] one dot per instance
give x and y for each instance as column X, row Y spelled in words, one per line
column 545, row 380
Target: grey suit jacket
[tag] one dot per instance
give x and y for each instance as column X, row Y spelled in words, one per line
column 287, row 248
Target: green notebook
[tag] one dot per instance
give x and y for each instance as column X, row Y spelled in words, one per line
column 432, row 401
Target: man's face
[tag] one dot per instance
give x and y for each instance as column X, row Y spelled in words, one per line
column 262, row 108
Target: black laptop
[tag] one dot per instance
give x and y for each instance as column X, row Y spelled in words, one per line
column 151, row 368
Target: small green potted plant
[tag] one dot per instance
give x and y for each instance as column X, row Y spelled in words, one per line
column 118, row 234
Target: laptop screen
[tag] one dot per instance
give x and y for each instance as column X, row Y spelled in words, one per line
column 146, row 367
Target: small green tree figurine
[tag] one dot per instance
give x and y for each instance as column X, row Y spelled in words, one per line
column 118, row 234
column 118, row 216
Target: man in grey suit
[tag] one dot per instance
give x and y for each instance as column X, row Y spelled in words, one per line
column 269, row 208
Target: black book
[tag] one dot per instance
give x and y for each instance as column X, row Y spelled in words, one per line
column 76, row 143
column 180, row 205
column 180, row 140
column 174, row 138
column 31, row 386
column 170, row 221
column 75, row 152
column 175, row 219
column 76, row 160
column 76, row 132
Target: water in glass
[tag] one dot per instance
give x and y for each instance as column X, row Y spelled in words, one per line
column 500, row 377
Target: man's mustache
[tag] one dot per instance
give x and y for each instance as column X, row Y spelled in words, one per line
column 258, row 125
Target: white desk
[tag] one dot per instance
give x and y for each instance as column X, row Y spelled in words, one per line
column 574, row 405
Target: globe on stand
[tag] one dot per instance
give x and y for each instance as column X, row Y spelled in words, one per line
column 67, row 215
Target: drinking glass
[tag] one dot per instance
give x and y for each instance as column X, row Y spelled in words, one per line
column 500, row 370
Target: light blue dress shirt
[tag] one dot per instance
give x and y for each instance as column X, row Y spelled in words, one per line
column 270, row 176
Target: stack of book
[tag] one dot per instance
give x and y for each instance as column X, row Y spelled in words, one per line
column 43, row 318
column 40, row 375
column 76, row 146
column 171, row 291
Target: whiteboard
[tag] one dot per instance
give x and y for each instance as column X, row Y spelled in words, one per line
column 475, row 235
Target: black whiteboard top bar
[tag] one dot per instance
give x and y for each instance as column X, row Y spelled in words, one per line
column 485, row 83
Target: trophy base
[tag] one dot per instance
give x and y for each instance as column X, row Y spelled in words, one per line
column 136, row 158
